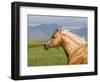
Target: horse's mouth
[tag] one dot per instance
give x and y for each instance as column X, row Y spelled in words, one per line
column 46, row 47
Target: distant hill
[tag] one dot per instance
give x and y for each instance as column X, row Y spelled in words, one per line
column 44, row 31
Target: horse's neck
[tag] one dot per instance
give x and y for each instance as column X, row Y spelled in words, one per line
column 69, row 48
column 69, row 44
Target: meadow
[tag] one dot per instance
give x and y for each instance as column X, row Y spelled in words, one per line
column 38, row 56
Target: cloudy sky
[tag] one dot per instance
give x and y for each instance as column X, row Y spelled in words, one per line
column 64, row 21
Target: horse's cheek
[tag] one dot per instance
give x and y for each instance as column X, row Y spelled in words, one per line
column 57, row 42
column 54, row 43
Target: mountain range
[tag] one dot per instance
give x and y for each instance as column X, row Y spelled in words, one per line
column 44, row 31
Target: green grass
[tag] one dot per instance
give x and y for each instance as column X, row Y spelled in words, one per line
column 38, row 56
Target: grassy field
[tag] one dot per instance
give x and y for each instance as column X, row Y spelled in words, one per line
column 37, row 56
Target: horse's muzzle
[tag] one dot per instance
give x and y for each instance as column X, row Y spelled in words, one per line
column 46, row 47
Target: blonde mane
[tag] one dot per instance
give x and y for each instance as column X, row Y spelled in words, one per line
column 74, row 36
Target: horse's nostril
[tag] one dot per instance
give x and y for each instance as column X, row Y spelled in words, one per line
column 45, row 47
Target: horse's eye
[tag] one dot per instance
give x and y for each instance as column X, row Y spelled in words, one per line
column 53, row 36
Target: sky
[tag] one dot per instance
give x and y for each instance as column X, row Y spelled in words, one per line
column 64, row 21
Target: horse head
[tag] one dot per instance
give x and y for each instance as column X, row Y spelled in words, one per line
column 55, row 40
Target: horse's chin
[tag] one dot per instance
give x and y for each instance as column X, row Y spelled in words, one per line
column 46, row 49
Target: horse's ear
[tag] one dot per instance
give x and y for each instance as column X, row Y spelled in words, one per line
column 59, row 29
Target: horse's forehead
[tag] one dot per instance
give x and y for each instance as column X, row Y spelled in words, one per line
column 56, row 33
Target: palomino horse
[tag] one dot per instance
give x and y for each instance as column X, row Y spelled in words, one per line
column 74, row 47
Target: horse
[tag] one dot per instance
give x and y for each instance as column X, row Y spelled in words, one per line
column 74, row 47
